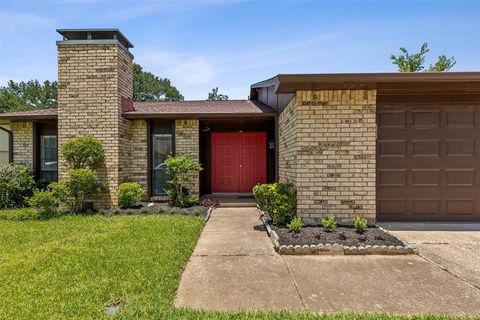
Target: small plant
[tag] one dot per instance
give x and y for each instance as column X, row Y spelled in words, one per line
column 278, row 199
column 144, row 210
column 161, row 210
column 361, row 224
column 342, row 236
column 196, row 213
column 329, row 224
column 379, row 238
column 45, row 201
column 16, row 184
column 295, row 225
column 129, row 212
column 116, row 211
column 316, row 234
column 362, row 238
column 180, row 168
column 83, row 153
column 102, row 212
column 129, row 194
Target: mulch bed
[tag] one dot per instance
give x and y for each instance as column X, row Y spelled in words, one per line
column 158, row 208
column 346, row 236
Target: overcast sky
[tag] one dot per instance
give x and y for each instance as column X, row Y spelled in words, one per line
column 232, row 44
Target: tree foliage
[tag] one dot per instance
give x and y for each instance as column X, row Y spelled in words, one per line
column 215, row 95
column 415, row 62
column 149, row 87
column 83, row 152
column 28, row 95
column 31, row 95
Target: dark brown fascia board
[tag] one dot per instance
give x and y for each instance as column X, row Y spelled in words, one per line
column 138, row 115
column 29, row 117
column 290, row 83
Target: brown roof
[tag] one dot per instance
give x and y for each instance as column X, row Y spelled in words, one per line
column 40, row 114
column 168, row 109
column 200, row 108
column 290, row 83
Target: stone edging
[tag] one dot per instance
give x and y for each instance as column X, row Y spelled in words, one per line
column 334, row 249
column 209, row 212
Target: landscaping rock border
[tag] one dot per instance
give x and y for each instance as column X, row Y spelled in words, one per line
column 335, row 248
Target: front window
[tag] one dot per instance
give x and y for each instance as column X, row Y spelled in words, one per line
column 162, row 146
column 48, row 158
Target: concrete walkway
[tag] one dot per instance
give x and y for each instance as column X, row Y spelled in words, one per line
column 234, row 267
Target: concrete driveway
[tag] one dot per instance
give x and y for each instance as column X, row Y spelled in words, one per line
column 234, row 267
column 455, row 247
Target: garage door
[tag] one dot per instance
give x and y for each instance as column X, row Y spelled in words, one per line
column 428, row 162
column 238, row 161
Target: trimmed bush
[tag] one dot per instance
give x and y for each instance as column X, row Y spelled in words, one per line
column 16, row 184
column 81, row 187
column 46, row 203
column 278, row 199
column 129, row 194
column 84, row 153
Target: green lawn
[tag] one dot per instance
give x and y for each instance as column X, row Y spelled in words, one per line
column 70, row 267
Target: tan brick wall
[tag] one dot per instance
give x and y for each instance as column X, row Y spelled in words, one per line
column 22, row 143
column 334, row 158
column 288, row 144
column 92, row 79
column 187, row 142
column 138, row 163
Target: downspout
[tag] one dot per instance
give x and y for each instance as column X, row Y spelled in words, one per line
column 10, row 143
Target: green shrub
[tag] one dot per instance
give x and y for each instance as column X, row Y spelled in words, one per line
column 144, row 210
column 361, row 224
column 80, row 187
column 116, row 211
column 181, row 168
column 129, row 212
column 45, row 201
column 83, row 153
column 16, row 184
column 129, row 194
column 295, row 225
column 278, row 199
column 329, row 224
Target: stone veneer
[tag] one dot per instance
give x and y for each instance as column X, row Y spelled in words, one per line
column 187, row 142
column 327, row 145
column 23, row 143
column 92, row 79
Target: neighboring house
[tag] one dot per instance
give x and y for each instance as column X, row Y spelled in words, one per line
column 387, row 146
column 5, row 144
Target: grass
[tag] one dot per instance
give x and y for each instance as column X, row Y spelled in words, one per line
column 19, row 214
column 71, row 267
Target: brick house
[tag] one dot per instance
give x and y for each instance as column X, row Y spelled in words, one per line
column 387, row 146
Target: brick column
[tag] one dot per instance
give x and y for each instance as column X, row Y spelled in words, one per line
column 93, row 78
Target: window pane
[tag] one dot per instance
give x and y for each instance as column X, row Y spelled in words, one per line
column 161, row 148
column 48, row 153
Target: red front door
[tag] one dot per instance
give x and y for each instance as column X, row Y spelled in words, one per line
column 239, row 161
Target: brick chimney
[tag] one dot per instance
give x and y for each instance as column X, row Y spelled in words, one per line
column 94, row 83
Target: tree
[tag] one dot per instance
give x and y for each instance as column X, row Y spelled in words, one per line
column 149, row 87
column 28, row 95
column 415, row 62
column 214, row 95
